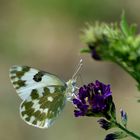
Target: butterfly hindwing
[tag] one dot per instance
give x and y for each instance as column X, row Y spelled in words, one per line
column 25, row 78
column 41, row 111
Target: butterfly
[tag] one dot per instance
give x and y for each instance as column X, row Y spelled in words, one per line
column 43, row 94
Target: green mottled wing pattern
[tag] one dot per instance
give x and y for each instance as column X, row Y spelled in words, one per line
column 41, row 111
column 43, row 95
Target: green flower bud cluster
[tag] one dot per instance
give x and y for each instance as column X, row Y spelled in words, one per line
column 114, row 42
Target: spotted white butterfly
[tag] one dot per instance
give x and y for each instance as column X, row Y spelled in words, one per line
column 44, row 94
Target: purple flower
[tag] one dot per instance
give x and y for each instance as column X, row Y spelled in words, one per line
column 111, row 136
column 123, row 117
column 105, row 124
column 94, row 53
column 116, row 135
column 94, row 99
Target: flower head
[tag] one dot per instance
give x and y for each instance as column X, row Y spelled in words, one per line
column 99, row 37
column 94, row 99
column 114, row 42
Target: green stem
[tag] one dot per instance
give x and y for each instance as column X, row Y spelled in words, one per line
column 130, row 133
column 129, row 72
column 124, row 69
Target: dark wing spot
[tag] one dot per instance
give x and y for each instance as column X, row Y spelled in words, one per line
column 34, row 122
column 46, row 91
column 19, row 83
column 27, row 119
column 38, row 76
column 25, row 69
column 34, row 94
column 19, row 74
column 37, row 113
column 27, row 105
column 42, row 116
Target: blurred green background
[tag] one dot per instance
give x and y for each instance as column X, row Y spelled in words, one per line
column 45, row 34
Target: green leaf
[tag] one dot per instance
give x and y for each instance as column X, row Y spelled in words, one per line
column 132, row 29
column 124, row 25
column 126, row 29
column 110, row 114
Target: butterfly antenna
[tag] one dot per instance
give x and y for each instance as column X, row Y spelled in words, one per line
column 81, row 79
column 79, row 66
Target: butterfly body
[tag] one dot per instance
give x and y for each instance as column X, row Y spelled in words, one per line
column 44, row 95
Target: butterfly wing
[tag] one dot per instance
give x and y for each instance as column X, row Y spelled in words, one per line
column 41, row 111
column 25, row 79
column 43, row 95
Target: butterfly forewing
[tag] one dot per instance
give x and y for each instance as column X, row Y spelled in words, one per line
column 25, row 79
column 43, row 95
column 41, row 111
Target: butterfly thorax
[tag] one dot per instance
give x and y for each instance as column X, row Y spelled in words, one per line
column 71, row 88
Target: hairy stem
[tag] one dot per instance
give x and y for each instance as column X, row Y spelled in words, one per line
column 130, row 133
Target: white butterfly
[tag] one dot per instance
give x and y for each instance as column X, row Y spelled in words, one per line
column 44, row 95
